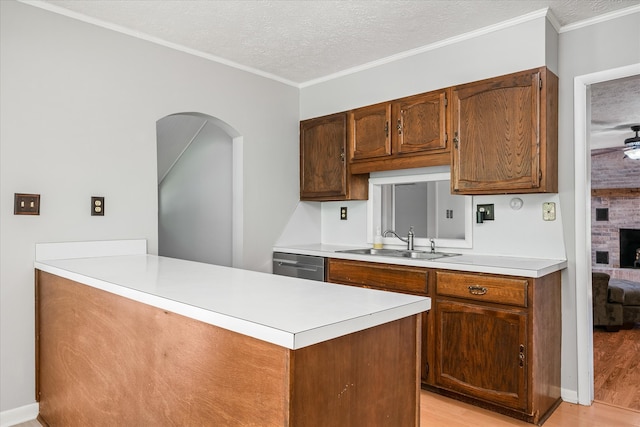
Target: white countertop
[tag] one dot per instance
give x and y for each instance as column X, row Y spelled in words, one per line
column 512, row 266
column 289, row 312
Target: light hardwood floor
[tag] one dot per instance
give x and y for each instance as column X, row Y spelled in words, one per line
column 439, row 411
column 616, row 367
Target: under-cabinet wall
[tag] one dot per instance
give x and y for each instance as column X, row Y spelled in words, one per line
column 522, row 232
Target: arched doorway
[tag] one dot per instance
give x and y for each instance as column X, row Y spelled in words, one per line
column 199, row 189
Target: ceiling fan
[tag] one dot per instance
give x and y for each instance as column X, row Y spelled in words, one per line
column 630, row 148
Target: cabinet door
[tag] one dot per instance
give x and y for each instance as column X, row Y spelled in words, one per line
column 397, row 278
column 426, row 357
column 496, row 145
column 481, row 352
column 370, row 135
column 323, row 167
column 421, row 122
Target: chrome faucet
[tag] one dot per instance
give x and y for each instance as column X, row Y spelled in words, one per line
column 433, row 246
column 408, row 240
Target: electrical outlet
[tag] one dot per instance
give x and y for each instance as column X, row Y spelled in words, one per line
column 26, row 204
column 343, row 213
column 487, row 212
column 97, row 206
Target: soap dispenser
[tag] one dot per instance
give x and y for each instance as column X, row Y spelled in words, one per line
column 377, row 240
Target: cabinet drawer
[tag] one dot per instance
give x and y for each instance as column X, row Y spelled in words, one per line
column 501, row 290
column 381, row 276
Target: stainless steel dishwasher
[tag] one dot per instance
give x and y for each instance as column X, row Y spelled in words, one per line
column 296, row 265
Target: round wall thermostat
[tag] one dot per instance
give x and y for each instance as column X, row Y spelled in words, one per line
column 516, row 203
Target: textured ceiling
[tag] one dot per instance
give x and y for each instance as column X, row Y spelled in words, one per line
column 298, row 42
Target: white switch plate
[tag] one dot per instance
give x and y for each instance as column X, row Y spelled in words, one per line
column 549, row 211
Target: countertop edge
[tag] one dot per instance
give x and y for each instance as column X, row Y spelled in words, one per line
column 480, row 264
column 287, row 339
column 272, row 335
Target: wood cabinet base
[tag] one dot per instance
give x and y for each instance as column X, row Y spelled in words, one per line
column 500, row 344
column 103, row 359
column 490, row 340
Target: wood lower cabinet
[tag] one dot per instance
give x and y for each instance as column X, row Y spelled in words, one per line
column 324, row 170
column 490, row 340
column 497, row 341
column 506, row 134
column 406, row 133
column 481, row 351
column 390, row 277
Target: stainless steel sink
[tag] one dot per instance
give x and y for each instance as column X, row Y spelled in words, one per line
column 401, row 253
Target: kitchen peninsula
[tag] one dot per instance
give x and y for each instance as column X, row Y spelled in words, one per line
column 123, row 336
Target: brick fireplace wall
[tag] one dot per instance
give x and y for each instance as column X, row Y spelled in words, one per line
column 616, row 181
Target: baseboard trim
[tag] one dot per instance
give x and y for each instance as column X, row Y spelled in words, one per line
column 570, row 396
column 19, row 415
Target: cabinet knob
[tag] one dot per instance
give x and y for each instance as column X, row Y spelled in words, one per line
column 399, row 127
column 456, row 140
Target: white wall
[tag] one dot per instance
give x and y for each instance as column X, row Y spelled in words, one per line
column 510, row 49
column 522, row 232
column 195, row 199
column 78, row 116
column 602, row 46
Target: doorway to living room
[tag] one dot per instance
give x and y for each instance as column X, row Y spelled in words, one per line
column 614, row 223
column 616, row 337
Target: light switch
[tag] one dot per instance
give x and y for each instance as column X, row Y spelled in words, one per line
column 549, row 211
column 26, row 204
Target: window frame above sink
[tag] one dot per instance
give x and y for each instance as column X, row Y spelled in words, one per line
column 374, row 209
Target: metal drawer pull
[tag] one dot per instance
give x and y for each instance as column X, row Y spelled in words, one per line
column 477, row 290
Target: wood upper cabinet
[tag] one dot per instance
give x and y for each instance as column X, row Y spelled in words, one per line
column 497, row 341
column 405, row 133
column 324, row 170
column 505, row 137
column 370, row 133
column 421, row 123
